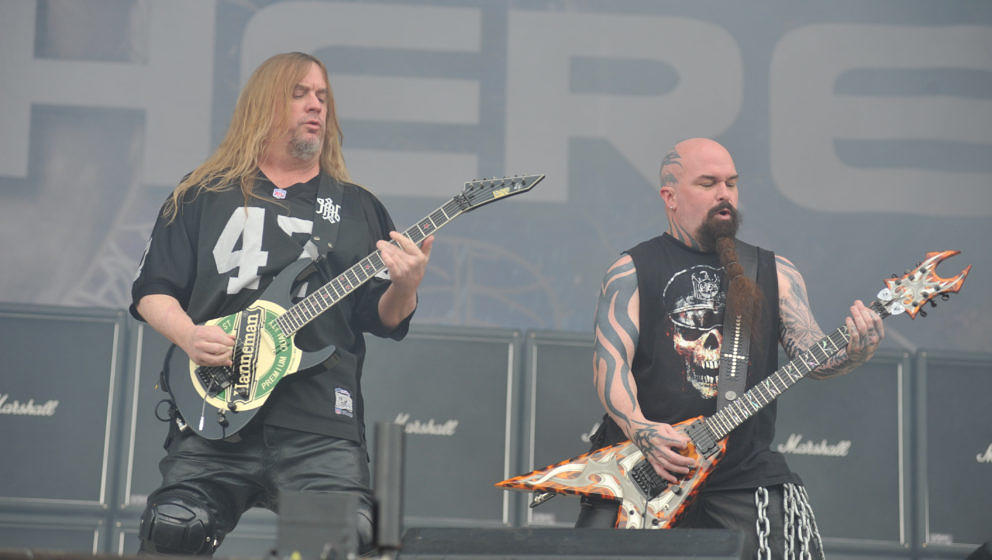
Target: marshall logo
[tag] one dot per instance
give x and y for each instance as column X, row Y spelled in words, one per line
column 429, row 428
column 17, row 408
column 248, row 354
column 796, row 446
column 981, row 457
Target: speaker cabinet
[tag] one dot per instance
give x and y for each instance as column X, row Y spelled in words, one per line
column 453, row 390
column 954, row 423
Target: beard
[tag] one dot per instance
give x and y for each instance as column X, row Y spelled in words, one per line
column 305, row 146
column 714, row 228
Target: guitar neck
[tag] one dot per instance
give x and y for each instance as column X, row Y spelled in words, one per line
column 325, row 297
column 757, row 397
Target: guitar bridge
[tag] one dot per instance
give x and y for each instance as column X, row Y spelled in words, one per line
column 215, row 378
column 647, row 480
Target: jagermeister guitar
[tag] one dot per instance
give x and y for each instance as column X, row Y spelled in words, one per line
column 216, row 402
column 620, row 472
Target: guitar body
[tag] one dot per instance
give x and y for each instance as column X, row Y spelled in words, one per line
column 218, row 401
column 620, row 472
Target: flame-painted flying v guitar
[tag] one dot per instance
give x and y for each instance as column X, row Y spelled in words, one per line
column 217, row 401
column 620, row 472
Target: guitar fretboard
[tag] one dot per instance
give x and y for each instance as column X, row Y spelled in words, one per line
column 323, row 298
column 755, row 398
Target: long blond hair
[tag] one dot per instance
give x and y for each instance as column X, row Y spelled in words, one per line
column 263, row 105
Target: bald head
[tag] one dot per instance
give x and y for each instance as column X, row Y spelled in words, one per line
column 692, row 153
column 697, row 176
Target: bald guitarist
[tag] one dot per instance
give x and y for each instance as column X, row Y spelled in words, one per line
column 659, row 331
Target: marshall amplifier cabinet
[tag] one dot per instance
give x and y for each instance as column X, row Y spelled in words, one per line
column 954, row 454
column 58, row 398
column 80, row 534
column 846, row 437
column 561, row 411
column 144, row 434
column 454, row 391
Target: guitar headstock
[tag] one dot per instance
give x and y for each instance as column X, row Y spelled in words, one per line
column 484, row 191
column 911, row 291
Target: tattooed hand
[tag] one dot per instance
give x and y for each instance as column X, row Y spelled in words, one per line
column 660, row 444
column 864, row 326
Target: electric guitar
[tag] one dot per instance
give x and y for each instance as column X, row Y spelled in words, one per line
column 217, row 401
column 620, row 472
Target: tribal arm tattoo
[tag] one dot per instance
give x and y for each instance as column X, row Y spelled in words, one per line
column 799, row 331
column 617, row 332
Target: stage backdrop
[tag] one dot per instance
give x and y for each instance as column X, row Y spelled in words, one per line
column 862, row 130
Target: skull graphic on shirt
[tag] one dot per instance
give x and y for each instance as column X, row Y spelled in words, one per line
column 695, row 306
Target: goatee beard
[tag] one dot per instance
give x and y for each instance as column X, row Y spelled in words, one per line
column 714, row 228
column 304, row 149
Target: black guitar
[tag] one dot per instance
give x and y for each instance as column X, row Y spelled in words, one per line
column 217, row 401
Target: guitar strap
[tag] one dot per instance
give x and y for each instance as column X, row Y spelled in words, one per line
column 736, row 338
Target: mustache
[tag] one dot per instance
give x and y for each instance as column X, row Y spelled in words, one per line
column 720, row 208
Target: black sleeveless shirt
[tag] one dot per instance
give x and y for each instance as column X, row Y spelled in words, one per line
column 682, row 299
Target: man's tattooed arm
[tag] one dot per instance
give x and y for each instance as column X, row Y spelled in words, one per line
column 617, row 332
column 799, row 330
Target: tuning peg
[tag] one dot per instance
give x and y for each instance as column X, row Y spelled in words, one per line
column 945, row 297
column 922, row 313
column 933, row 303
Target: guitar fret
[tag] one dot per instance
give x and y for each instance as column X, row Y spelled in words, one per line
column 427, row 226
column 415, row 234
column 320, row 302
column 306, row 307
column 359, row 273
column 325, row 298
column 759, row 387
column 438, row 217
column 351, row 276
column 844, row 335
column 721, row 423
column 733, row 414
column 336, row 286
column 367, row 267
column 376, row 261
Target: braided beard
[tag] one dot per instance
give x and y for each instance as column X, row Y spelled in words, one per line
column 744, row 297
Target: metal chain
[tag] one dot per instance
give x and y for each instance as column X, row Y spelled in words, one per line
column 799, row 525
column 809, row 520
column 762, row 525
column 789, row 513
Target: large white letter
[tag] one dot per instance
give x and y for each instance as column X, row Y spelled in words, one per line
column 309, row 26
column 173, row 88
column 542, row 112
column 807, row 117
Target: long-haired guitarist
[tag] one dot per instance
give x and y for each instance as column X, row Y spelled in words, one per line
column 659, row 332
column 255, row 206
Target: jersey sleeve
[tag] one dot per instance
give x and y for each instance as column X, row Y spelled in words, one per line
column 169, row 264
column 367, row 309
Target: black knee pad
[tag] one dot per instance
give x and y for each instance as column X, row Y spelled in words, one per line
column 178, row 524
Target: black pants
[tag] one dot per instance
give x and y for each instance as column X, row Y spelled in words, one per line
column 730, row 509
column 226, row 479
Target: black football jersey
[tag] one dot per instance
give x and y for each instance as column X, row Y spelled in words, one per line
column 219, row 254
